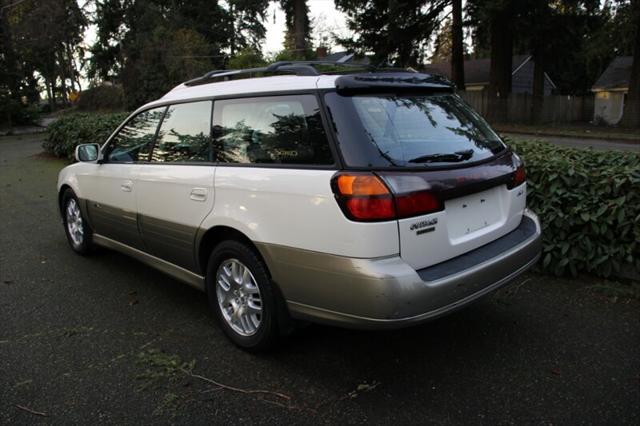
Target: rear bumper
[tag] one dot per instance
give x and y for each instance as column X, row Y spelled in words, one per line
column 387, row 292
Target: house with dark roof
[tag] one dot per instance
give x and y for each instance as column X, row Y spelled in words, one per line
column 611, row 90
column 477, row 72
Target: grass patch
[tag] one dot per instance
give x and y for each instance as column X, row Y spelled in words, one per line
column 160, row 367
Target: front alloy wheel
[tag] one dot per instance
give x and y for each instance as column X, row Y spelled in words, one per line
column 79, row 233
column 75, row 227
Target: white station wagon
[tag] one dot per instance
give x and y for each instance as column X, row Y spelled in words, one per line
column 363, row 199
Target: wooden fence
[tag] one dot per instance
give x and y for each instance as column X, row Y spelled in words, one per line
column 519, row 108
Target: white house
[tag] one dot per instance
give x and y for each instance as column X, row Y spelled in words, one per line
column 611, row 90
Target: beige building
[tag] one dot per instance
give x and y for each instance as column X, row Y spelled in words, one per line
column 611, row 90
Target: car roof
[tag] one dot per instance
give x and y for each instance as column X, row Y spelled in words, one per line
column 276, row 83
column 300, row 76
column 246, row 86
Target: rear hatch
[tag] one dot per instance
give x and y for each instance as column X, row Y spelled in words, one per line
column 427, row 142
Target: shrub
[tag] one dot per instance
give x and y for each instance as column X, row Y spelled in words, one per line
column 589, row 205
column 246, row 58
column 102, row 98
column 73, row 129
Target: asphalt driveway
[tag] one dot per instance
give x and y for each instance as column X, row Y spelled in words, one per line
column 107, row 339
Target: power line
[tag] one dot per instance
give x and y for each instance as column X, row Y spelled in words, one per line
column 13, row 4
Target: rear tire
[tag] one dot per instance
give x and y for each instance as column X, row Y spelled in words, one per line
column 79, row 233
column 242, row 296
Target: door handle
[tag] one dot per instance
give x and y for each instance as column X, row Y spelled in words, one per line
column 127, row 186
column 198, row 194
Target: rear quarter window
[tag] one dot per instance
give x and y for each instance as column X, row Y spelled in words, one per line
column 270, row 130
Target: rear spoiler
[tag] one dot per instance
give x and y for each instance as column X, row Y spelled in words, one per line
column 392, row 81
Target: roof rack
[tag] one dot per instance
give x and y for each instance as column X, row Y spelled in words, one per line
column 300, row 68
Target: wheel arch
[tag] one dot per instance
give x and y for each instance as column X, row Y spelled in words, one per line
column 216, row 234
column 61, row 192
column 212, row 236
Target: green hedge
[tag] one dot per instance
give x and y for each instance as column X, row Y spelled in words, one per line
column 77, row 128
column 589, row 205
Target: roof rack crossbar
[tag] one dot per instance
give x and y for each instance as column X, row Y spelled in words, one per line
column 221, row 74
column 300, row 68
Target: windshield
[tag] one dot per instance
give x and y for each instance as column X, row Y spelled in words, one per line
column 393, row 130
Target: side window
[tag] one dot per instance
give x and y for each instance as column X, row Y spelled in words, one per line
column 134, row 141
column 184, row 134
column 270, row 130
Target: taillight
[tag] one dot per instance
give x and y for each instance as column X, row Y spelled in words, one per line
column 518, row 177
column 363, row 197
column 366, row 197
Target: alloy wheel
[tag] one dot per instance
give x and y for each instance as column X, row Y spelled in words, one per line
column 74, row 222
column 239, row 297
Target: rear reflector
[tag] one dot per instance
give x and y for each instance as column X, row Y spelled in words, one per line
column 519, row 176
column 417, row 203
column 365, row 197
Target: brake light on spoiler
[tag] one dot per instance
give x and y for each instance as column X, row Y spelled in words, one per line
column 365, row 197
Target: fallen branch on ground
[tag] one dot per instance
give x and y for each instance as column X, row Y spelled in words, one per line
column 29, row 410
column 234, row 389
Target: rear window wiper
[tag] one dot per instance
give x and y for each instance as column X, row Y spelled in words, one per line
column 454, row 157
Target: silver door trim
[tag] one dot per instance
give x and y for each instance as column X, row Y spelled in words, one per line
column 181, row 274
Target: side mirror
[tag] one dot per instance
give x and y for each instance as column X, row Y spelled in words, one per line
column 88, row 152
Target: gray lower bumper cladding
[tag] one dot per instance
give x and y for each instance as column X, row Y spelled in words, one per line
column 387, row 292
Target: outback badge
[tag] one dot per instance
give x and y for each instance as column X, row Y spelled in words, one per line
column 424, row 226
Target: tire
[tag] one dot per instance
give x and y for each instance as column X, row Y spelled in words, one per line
column 236, row 308
column 79, row 233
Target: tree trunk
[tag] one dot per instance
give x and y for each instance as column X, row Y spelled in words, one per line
column 63, row 79
column 300, row 27
column 631, row 113
column 33, row 92
column 501, row 62
column 51, row 93
column 457, row 46
column 232, row 41
column 72, row 69
column 11, row 77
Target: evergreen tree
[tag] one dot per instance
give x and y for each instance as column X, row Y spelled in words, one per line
column 297, row 40
column 457, row 45
column 42, row 37
column 631, row 114
column 397, row 31
column 443, row 44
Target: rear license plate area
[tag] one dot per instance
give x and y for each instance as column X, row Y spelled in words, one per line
column 473, row 213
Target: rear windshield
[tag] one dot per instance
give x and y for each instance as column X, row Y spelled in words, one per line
column 397, row 130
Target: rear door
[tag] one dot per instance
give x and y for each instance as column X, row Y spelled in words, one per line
column 175, row 188
column 433, row 142
column 472, row 219
column 111, row 186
